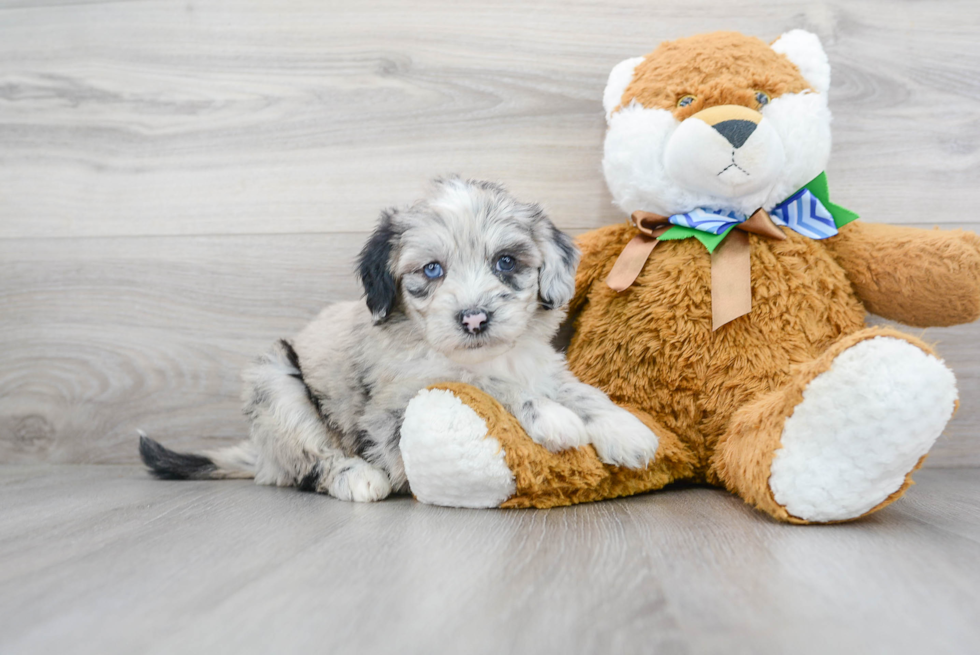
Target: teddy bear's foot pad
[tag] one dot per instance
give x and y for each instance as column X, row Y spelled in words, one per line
column 861, row 429
column 449, row 459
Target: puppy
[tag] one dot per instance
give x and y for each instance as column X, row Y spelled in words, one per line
column 467, row 285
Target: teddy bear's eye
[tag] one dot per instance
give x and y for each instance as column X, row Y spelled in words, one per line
column 762, row 98
column 685, row 101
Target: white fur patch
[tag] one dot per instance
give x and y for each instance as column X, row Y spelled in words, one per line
column 803, row 49
column 633, row 162
column 860, row 429
column 700, row 159
column 641, row 175
column 621, row 439
column 449, row 459
column 556, row 427
column 802, row 121
column 363, row 483
column 619, row 78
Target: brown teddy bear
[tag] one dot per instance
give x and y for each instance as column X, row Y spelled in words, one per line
column 729, row 312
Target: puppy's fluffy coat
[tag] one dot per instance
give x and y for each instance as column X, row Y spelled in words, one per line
column 467, row 285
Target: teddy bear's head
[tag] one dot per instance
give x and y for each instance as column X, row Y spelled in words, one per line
column 721, row 121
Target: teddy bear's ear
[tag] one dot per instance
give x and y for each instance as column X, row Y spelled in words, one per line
column 619, row 78
column 803, row 49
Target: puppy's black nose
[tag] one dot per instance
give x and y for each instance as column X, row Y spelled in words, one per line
column 736, row 131
column 474, row 321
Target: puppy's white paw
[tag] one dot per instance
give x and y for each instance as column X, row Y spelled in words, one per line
column 621, row 439
column 556, row 427
column 361, row 483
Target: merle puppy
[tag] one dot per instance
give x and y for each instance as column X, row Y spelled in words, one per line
column 467, row 285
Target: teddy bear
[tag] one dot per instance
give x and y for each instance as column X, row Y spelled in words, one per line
column 728, row 311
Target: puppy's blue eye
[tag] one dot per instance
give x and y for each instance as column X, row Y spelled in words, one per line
column 762, row 98
column 506, row 264
column 685, row 101
column 432, row 270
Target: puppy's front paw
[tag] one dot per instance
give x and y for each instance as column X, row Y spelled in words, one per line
column 555, row 427
column 361, row 483
column 621, row 439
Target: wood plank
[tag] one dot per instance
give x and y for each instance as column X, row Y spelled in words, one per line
column 105, row 560
column 142, row 142
column 104, row 336
column 143, row 118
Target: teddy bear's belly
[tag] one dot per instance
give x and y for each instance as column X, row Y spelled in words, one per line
column 652, row 346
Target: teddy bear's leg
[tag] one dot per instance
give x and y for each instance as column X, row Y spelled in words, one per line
column 841, row 439
column 449, row 457
column 461, row 448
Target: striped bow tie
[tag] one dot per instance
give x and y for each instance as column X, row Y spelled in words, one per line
column 808, row 212
column 802, row 212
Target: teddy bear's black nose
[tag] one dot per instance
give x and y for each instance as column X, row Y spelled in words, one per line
column 736, row 131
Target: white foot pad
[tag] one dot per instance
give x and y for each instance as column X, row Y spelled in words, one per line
column 860, row 429
column 449, row 460
column 362, row 483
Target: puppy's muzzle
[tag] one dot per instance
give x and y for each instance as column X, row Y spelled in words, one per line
column 474, row 321
column 734, row 122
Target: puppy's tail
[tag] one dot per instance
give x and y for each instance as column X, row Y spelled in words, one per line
column 234, row 462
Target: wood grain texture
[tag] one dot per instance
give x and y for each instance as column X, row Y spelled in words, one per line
column 105, row 560
column 104, row 336
column 108, row 335
column 158, row 117
column 182, row 183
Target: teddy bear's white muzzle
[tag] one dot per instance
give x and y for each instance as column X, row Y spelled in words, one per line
column 730, row 158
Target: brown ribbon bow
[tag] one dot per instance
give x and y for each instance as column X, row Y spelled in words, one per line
column 731, row 267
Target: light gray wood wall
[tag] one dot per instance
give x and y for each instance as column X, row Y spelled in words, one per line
column 182, row 182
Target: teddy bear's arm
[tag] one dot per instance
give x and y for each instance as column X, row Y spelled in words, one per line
column 918, row 277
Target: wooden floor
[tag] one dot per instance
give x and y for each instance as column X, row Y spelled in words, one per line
column 104, row 560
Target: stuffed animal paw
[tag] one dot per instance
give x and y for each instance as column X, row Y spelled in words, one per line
column 461, row 448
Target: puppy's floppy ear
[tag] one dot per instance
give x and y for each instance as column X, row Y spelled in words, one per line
column 374, row 268
column 556, row 279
